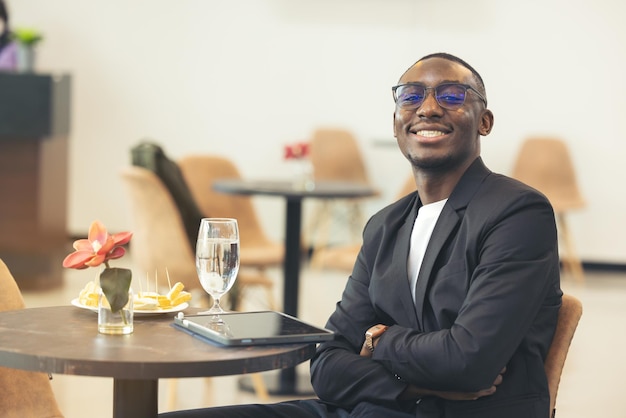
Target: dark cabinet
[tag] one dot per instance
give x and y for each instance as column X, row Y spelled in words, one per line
column 34, row 130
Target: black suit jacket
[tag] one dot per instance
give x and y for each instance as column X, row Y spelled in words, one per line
column 487, row 296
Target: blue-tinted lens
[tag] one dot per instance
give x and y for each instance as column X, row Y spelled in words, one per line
column 410, row 96
column 450, row 95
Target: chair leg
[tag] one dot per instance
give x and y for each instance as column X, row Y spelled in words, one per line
column 318, row 230
column 208, row 392
column 259, row 387
column 571, row 261
column 172, row 394
column 258, row 384
column 357, row 221
column 327, row 224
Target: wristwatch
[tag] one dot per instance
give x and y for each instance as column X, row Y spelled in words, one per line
column 374, row 332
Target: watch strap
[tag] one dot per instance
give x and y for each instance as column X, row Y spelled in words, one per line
column 372, row 333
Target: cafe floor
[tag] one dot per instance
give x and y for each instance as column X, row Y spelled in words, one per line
column 591, row 385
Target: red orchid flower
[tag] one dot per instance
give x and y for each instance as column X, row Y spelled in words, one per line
column 98, row 248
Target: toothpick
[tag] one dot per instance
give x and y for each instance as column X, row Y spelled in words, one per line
column 167, row 273
column 140, row 288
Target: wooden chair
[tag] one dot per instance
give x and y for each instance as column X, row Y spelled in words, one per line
column 335, row 156
column 569, row 314
column 160, row 242
column 545, row 164
column 159, row 239
column 257, row 252
column 23, row 393
column 342, row 257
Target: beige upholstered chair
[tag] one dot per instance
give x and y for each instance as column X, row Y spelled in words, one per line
column 569, row 315
column 545, row 164
column 159, row 241
column 258, row 252
column 342, row 257
column 22, row 393
column 336, row 156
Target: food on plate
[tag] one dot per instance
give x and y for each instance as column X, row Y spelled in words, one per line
column 143, row 301
column 175, row 291
column 89, row 295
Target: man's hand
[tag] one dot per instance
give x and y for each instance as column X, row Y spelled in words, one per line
column 412, row 392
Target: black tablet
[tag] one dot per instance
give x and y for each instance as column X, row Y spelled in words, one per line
column 252, row 328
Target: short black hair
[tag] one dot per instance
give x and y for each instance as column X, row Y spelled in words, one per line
column 453, row 58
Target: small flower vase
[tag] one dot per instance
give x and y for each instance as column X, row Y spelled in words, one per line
column 302, row 174
column 120, row 322
column 26, row 58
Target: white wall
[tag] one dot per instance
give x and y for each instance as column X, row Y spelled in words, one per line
column 243, row 77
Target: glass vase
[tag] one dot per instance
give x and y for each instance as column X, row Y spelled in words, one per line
column 302, row 172
column 120, row 322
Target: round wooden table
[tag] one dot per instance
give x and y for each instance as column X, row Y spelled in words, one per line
column 65, row 340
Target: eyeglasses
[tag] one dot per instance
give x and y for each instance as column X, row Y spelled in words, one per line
column 449, row 95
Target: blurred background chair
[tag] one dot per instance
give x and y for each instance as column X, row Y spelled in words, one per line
column 159, row 239
column 160, row 245
column 257, row 251
column 545, row 164
column 151, row 156
column 342, row 257
column 569, row 315
column 335, row 156
column 22, row 393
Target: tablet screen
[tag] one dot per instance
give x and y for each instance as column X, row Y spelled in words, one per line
column 250, row 328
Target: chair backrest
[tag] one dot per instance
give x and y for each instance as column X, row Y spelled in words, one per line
column 152, row 157
column 569, row 314
column 335, row 155
column 545, row 164
column 159, row 239
column 200, row 171
column 23, row 393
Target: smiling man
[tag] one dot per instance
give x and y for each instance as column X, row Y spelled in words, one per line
column 453, row 300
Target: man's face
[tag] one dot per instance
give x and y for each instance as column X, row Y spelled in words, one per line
column 435, row 138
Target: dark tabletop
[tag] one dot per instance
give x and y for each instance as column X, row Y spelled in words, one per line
column 331, row 189
column 65, row 339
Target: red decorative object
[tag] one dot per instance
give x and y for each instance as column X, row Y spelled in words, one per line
column 297, row 150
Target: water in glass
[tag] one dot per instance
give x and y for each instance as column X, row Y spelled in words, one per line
column 217, row 257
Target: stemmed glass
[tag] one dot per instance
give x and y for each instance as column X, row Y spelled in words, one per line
column 217, row 258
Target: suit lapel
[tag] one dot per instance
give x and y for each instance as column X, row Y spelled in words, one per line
column 399, row 264
column 450, row 218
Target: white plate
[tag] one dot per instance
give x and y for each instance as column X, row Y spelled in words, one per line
column 176, row 308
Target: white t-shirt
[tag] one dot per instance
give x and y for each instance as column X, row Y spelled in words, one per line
column 422, row 230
